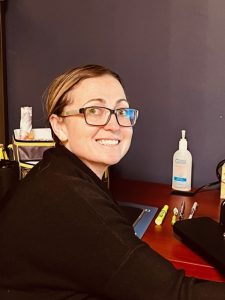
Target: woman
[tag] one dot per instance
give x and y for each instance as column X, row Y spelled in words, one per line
column 62, row 236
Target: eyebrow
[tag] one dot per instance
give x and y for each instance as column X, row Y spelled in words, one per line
column 103, row 101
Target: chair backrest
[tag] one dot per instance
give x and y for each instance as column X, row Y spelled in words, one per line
column 9, row 176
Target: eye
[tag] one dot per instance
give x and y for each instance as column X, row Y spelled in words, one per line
column 93, row 110
column 123, row 112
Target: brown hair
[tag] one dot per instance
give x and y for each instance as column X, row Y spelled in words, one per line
column 56, row 96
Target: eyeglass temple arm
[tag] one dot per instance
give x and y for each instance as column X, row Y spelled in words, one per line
column 70, row 113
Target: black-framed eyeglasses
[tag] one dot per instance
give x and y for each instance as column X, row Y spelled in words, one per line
column 100, row 116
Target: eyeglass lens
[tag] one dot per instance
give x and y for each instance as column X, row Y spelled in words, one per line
column 101, row 116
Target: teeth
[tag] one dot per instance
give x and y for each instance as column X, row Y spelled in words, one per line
column 108, row 142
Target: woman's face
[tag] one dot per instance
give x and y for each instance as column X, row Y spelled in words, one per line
column 97, row 146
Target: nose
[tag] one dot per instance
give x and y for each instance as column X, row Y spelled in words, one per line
column 112, row 124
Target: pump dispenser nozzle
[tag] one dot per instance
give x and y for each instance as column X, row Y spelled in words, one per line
column 183, row 141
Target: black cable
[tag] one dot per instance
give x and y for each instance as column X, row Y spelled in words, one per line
column 205, row 187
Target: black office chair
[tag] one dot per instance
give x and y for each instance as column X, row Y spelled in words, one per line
column 9, row 177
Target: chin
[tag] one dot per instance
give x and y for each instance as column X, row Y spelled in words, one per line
column 110, row 162
column 109, row 159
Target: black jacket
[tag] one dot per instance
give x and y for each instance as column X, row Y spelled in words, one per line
column 62, row 236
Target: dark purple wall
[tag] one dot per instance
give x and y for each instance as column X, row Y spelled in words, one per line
column 171, row 55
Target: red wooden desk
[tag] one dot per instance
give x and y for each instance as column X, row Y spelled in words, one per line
column 161, row 238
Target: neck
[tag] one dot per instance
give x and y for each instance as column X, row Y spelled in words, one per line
column 99, row 170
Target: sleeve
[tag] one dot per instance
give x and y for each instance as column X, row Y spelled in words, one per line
column 78, row 236
column 147, row 275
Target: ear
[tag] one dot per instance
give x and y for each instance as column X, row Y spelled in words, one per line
column 58, row 127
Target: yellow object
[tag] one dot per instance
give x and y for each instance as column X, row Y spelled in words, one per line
column 174, row 217
column 3, row 154
column 222, row 184
column 161, row 215
column 29, row 152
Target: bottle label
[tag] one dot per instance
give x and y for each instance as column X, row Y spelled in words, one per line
column 180, row 161
column 180, row 179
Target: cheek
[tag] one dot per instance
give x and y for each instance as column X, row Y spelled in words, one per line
column 127, row 138
column 74, row 134
column 74, row 129
column 80, row 134
column 128, row 135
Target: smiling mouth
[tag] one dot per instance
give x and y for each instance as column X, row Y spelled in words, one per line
column 108, row 142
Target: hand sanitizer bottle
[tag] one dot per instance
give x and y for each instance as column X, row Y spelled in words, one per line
column 182, row 166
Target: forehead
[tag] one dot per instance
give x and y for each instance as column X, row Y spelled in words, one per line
column 104, row 87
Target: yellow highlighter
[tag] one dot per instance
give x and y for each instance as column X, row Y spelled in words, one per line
column 161, row 215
